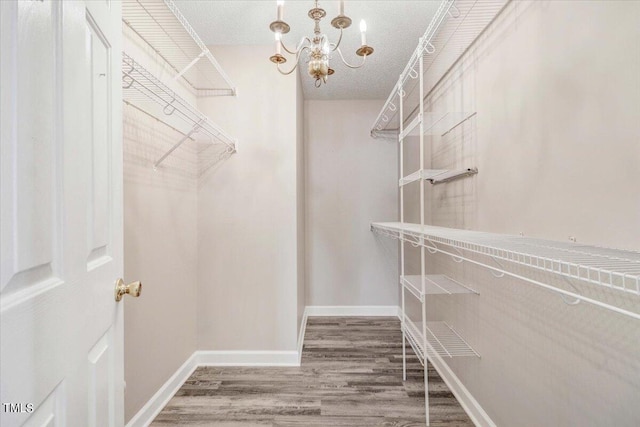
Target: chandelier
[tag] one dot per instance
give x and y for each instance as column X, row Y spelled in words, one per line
column 317, row 47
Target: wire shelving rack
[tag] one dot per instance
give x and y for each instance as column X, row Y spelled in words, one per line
column 453, row 28
column 149, row 95
column 161, row 25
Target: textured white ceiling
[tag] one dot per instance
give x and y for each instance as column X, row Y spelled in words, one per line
column 393, row 31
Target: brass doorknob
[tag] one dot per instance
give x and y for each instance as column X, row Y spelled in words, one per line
column 134, row 289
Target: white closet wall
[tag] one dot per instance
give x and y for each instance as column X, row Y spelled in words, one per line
column 351, row 181
column 301, row 205
column 556, row 141
column 249, row 247
column 160, row 244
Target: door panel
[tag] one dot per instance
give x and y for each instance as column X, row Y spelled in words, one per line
column 100, row 137
column 30, row 147
column 61, row 211
column 101, row 384
column 51, row 412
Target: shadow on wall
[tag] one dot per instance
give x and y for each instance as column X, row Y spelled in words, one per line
column 211, row 158
column 146, row 139
column 518, row 329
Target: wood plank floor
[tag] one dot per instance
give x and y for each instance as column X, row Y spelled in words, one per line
column 351, row 375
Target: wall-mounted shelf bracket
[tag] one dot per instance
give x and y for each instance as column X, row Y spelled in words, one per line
column 195, row 129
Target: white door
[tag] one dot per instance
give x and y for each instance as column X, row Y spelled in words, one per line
column 61, row 213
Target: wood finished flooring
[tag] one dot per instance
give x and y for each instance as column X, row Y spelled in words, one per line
column 351, row 375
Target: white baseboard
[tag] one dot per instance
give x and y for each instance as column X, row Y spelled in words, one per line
column 247, row 358
column 152, row 408
column 303, row 329
column 471, row 406
column 352, row 310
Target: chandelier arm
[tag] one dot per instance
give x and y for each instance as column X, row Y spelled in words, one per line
column 286, row 73
column 364, row 59
column 336, row 45
column 294, row 52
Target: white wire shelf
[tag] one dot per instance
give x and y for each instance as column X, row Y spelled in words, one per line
column 161, row 25
column 434, row 284
column 425, row 174
column 149, row 95
column 452, row 30
column 614, row 269
column 442, row 340
column 388, row 117
column 437, row 176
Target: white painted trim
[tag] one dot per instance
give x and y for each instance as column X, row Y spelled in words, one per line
column 303, row 329
column 471, row 406
column 152, row 408
column 352, row 310
column 247, row 358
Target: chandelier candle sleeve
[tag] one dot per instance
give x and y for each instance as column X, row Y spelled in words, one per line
column 280, row 7
column 363, row 32
column 341, row 7
column 278, row 46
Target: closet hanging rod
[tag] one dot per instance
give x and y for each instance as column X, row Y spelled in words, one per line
column 453, row 175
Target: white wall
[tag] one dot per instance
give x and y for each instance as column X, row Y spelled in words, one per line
column 556, row 139
column 159, row 246
column 351, row 181
column 301, row 202
column 248, row 212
